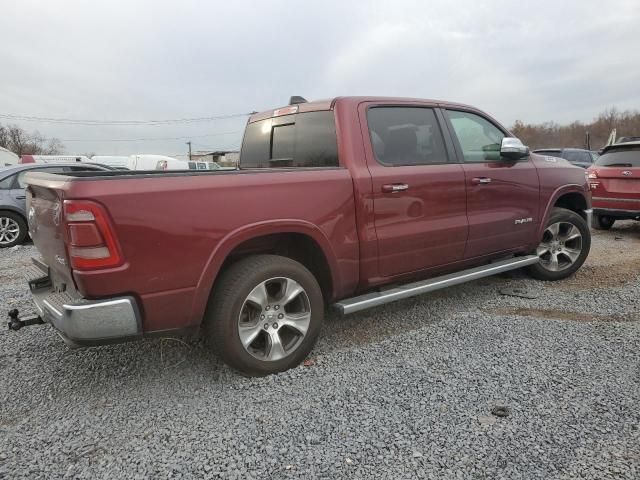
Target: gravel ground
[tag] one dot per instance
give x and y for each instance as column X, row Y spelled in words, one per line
column 401, row 391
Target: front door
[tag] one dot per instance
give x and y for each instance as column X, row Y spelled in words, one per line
column 419, row 193
column 502, row 195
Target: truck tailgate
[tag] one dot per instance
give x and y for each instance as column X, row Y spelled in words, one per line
column 45, row 197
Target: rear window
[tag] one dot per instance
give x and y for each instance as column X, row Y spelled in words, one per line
column 300, row 140
column 550, row 153
column 620, row 158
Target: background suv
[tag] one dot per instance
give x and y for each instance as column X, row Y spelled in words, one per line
column 615, row 185
column 576, row 156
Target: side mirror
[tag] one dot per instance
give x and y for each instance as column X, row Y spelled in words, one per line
column 513, row 149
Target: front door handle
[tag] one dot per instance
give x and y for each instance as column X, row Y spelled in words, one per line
column 394, row 187
column 480, row 180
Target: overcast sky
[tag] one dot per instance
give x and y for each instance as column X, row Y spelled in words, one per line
column 139, row 60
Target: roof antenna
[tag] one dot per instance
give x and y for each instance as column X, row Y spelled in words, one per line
column 295, row 100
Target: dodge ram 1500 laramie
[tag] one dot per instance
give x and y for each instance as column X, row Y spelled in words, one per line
column 351, row 203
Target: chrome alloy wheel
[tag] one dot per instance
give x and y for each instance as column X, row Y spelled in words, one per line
column 561, row 246
column 9, row 230
column 274, row 319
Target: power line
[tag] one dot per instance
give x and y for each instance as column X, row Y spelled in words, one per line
column 71, row 121
column 150, row 139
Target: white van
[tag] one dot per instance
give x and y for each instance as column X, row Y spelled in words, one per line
column 155, row 162
column 8, row 158
column 114, row 161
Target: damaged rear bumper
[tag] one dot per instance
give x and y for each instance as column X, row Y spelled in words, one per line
column 79, row 321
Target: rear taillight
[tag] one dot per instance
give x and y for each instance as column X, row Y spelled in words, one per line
column 91, row 240
column 592, row 178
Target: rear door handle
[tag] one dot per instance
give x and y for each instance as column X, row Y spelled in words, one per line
column 21, row 197
column 394, row 187
column 480, row 180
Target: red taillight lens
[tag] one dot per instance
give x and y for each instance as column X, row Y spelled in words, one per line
column 84, row 235
column 91, row 239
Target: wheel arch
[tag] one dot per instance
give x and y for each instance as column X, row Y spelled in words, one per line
column 9, row 208
column 570, row 197
column 298, row 240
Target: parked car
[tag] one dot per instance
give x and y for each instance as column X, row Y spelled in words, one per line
column 615, row 184
column 335, row 202
column 13, row 212
column 628, row 139
column 576, row 156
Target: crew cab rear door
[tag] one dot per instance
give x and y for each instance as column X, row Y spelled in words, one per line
column 418, row 193
column 502, row 195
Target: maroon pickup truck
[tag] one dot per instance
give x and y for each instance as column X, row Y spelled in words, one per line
column 350, row 203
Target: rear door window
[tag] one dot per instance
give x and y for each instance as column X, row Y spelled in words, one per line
column 406, row 136
column 300, row 140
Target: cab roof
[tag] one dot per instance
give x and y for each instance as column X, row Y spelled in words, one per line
column 328, row 104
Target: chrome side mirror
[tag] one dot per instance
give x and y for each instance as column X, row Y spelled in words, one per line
column 513, row 149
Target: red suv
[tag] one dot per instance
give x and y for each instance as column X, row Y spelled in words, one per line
column 615, row 185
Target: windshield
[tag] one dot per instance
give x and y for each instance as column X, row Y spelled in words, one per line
column 577, row 156
column 620, row 158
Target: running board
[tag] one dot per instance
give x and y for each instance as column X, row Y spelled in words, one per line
column 374, row 299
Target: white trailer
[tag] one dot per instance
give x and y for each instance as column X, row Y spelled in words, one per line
column 8, row 158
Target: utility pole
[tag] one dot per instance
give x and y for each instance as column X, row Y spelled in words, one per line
column 189, row 143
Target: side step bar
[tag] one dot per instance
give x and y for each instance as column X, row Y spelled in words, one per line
column 374, row 299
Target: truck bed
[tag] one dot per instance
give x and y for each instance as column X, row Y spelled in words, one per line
column 175, row 227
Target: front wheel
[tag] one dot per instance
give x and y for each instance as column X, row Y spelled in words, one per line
column 265, row 314
column 564, row 246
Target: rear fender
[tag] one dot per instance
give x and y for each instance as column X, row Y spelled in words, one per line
column 247, row 232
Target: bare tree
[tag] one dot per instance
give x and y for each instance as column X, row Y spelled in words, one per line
column 21, row 142
column 550, row 134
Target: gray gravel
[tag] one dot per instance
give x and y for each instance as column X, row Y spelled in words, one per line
column 402, row 391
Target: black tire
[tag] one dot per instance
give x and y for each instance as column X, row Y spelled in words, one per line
column 22, row 226
column 603, row 222
column 231, row 291
column 540, row 271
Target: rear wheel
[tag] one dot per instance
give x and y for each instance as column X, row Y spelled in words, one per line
column 603, row 222
column 564, row 247
column 265, row 314
column 13, row 229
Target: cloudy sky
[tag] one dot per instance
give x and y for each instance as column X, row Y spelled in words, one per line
column 150, row 60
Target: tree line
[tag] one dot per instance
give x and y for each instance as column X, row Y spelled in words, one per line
column 21, row 142
column 551, row 134
column 541, row 135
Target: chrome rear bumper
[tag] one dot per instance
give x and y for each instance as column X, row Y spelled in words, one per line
column 82, row 322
